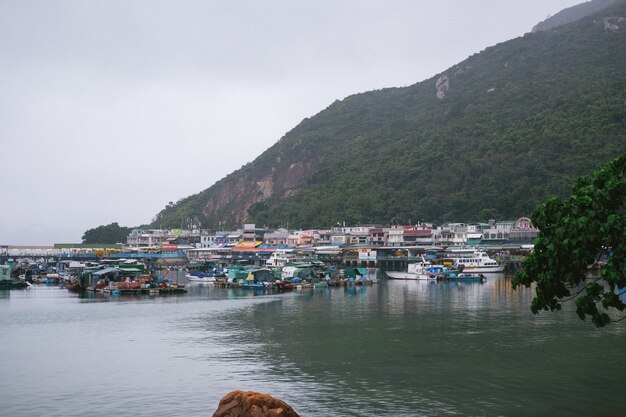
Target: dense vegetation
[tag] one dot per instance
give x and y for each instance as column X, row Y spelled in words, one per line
column 111, row 233
column 586, row 229
column 573, row 14
column 520, row 121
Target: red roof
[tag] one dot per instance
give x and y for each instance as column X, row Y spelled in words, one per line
column 418, row 233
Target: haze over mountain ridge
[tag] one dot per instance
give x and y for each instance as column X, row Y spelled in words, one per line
column 488, row 138
column 572, row 14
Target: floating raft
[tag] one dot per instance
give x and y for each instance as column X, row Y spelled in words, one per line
column 144, row 291
column 8, row 284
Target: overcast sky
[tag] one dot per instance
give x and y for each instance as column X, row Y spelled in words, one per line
column 111, row 109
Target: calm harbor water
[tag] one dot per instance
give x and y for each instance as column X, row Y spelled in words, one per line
column 394, row 349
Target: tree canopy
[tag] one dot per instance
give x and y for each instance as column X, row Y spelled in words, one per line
column 587, row 229
column 111, row 233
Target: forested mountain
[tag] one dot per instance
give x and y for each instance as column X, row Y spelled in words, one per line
column 573, row 14
column 488, row 138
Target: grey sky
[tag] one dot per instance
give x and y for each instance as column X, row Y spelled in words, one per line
column 111, row 109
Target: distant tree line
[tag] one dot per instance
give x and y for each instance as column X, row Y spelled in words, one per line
column 111, row 233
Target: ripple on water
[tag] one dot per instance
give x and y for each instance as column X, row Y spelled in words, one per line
column 395, row 349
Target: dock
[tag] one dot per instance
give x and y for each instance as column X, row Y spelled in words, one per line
column 180, row 289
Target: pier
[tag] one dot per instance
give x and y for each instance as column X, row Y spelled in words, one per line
column 143, row 291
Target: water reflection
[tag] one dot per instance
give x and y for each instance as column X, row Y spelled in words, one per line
column 414, row 347
column 394, row 349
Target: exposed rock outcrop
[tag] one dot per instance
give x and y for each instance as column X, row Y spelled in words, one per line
column 442, row 86
column 610, row 23
column 234, row 195
column 252, row 404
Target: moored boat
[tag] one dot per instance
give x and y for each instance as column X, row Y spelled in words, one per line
column 415, row 271
column 467, row 277
column 474, row 260
column 198, row 276
column 277, row 259
column 283, row 285
column 252, row 277
column 357, row 276
column 7, row 282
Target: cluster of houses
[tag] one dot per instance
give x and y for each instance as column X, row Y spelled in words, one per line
column 504, row 233
column 339, row 244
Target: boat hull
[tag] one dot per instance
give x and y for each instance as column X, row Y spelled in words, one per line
column 284, row 286
column 409, row 276
column 483, row 269
column 7, row 284
column 192, row 278
column 467, row 278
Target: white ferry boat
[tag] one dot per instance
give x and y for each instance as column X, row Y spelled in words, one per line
column 473, row 260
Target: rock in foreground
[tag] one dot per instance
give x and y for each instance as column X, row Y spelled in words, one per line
column 252, row 404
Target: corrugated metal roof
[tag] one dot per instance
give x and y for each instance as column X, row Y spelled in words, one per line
column 105, row 271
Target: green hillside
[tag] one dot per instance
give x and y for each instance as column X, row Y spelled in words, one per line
column 519, row 122
column 573, row 14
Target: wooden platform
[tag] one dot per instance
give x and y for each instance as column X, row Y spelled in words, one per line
column 144, row 291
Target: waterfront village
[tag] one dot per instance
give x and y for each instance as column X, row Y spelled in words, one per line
column 158, row 261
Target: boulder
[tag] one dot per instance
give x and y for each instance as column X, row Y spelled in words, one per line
column 252, row 404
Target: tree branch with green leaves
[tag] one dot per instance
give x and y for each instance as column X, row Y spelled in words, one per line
column 574, row 235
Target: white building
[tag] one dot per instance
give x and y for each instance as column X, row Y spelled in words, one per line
column 395, row 236
column 140, row 238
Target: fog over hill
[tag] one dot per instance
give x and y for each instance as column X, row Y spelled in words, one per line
column 112, row 109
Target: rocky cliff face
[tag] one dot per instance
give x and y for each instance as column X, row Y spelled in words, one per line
column 611, row 23
column 234, row 195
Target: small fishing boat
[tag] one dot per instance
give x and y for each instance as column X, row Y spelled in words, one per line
column 199, row 276
column 76, row 286
column 8, row 284
column 254, row 278
column 466, row 277
column 194, row 278
column 282, row 285
column 6, row 280
column 255, row 285
column 415, row 271
column 278, row 259
column 358, row 276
